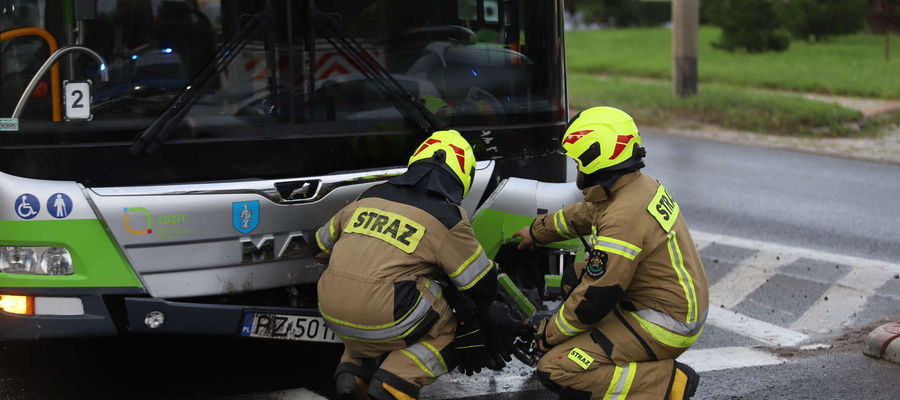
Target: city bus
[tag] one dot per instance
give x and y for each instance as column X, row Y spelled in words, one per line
column 164, row 164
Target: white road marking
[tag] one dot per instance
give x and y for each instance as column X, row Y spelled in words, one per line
column 700, row 242
column 856, row 262
column 817, row 346
column 832, row 311
column 705, row 360
column 754, row 328
column 845, row 298
column 746, row 277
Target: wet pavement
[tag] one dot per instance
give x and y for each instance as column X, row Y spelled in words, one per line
column 168, row 367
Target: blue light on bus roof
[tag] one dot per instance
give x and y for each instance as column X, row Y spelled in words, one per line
column 134, row 56
column 166, row 50
column 474, row 73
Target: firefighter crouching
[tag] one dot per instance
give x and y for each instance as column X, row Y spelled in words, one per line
column 401, row 259
column 641, row 298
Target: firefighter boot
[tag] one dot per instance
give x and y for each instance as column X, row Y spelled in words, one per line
column 351, row 387
column 684, row 383
column 352, row 378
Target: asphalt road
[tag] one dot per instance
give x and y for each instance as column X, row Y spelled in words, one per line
column 812, row 201
column 801, row 251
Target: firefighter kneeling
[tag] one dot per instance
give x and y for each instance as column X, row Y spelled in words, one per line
column 402, row 259
column 641, row 298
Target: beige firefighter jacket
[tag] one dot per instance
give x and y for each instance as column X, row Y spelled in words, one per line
column 649, row 265
column 384, row 253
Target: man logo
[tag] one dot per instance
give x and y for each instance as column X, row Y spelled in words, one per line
column 245, row 216
column 262, row 249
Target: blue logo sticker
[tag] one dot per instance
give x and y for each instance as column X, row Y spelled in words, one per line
column 59, row 205
column 245, row 215
column 248, row 324
column 27, row 206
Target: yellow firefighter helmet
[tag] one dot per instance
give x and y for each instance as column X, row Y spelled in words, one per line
column 450, row 150
column 602, row 138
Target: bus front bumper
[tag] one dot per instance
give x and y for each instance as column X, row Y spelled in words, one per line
column 97, row 312
column 65, row 313
column 197, row 318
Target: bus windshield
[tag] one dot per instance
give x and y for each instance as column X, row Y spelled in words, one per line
column 477, row 65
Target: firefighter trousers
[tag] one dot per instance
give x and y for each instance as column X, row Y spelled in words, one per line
column 397, row 370
column 615, row 360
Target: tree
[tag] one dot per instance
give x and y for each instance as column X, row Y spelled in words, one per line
column 751, row 24
column 622, row 12
column 884, row 17
column 818, row 19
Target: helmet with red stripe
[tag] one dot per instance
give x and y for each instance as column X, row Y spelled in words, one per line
column 451, row 151
column 603, row 139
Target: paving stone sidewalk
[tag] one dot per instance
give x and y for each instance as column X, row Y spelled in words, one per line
column 883, row 148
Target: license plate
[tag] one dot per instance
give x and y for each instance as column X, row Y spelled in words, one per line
column 287, row 327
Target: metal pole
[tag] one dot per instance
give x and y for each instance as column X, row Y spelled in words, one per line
column 104, row 74
column 685, row 23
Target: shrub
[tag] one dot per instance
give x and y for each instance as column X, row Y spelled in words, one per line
column 818, row 19
column 624, row 12
column 754, row 25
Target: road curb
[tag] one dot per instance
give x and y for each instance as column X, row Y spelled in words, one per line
column 884, row 342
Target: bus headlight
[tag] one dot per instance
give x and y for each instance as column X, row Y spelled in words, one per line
column 56, row 261
column 35, row 260
column 17, row 260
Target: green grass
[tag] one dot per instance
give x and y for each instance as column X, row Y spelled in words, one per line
column 652, row 103
column 847, row 65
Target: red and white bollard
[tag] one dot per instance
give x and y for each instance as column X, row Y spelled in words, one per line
column 884, row 342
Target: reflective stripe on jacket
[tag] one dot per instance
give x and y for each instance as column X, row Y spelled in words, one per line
column 384, row 252
column 645, row 257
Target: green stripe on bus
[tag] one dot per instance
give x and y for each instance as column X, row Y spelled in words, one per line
column 495, row 228
column 97, row 260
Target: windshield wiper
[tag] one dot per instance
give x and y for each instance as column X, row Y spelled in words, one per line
column 153, row 136
column 408, row 104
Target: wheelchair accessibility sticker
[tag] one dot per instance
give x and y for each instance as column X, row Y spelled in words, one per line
column 59, row 205
column 27, row 206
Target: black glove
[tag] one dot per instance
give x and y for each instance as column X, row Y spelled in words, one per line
column 541, row 337
column 471, row 350
column 502, row 329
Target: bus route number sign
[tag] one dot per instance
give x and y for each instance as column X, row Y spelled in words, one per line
column 78, row 100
